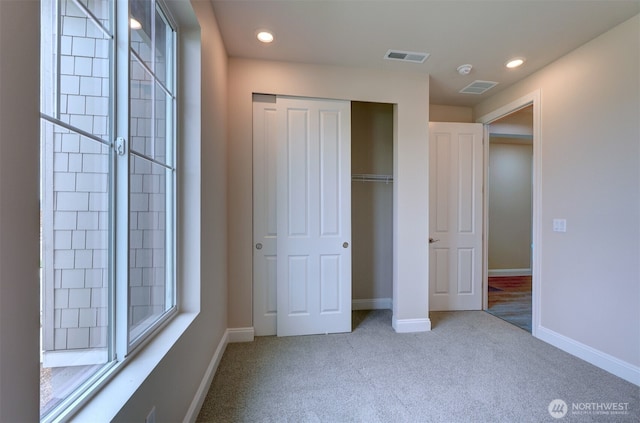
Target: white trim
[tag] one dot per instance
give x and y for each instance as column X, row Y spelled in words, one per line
column 205, row 383
column 411, row 325
column 117, row 386
column 371, row 304
column 240, row 335
column 509, row 272
column 534, row 99
column 511, row 107
column 63, row 358
column 485, row 218
column 622, row 369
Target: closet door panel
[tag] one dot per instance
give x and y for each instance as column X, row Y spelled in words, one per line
column 314, row 217
column 265, row 137
column 298, row 172
column 330, row 193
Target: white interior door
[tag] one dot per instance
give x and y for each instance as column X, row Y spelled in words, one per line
column 265, row 148
column 313, row 216
column 455, row 216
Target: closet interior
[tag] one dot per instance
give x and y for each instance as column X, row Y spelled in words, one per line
column 372, row 205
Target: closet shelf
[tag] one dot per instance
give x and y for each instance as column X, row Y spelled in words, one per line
column 368, row 177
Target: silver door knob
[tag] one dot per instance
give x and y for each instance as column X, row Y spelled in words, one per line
column 259, row 246
column 431, row 240
column 345, row 245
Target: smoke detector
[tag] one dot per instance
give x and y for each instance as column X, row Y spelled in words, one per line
column 464, row 69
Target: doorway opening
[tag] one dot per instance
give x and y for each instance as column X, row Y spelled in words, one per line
column 318, row 252
column 512, row 212
column 371, row 206
column 509, row 229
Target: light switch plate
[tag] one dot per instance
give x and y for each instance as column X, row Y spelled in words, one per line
column 559, row 225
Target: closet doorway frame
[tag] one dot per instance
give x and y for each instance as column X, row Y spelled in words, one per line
column 532, row 99
column 265, row 321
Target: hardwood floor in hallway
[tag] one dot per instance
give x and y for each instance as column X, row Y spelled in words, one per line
column 510, row 299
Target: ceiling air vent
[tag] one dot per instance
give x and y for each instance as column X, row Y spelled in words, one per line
column 406, row 56
column 478, row 87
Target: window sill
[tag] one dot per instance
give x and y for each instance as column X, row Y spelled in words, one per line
column 121, row 383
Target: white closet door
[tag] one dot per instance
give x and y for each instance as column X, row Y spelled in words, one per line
column 314, row 217
column 265, row 147
column 455, row 216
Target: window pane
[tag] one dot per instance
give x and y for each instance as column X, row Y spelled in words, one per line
column 141, row 112
column 162, row 117
column 75, row 261
column 151, row 279
column 150, row 246
column 83, row 95
column 76, row 192
column 141, row 38
column 151, row 117
column 100, row 9
column 163, row 49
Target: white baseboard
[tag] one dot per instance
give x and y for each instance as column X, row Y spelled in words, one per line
column 509, row 272
column 411, row 325
column 611, row 364
column 230, row 336
column 205, row 384
column 240, row 335
column 371, row 304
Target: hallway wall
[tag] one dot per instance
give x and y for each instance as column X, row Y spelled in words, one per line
column 509, row 195
column 409, row 92
column 590, row 176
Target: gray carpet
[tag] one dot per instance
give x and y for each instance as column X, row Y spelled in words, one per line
column 472, row 367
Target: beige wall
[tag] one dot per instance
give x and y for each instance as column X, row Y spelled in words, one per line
column 590, row 162
column 19, row 209
column 518, row 124
column 590, row 176
column 409, row 92
column 509, row 191
column 372, row 202
column 440, row 113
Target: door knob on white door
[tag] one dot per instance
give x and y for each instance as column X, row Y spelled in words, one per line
column 431, row 240
column 345, row 245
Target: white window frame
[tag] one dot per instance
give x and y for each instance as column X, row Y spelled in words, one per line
column 124, row 345
column 122, row 349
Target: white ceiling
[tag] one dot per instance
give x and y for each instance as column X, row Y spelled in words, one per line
column 357, row 33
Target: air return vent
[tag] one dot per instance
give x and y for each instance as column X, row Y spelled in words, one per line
column 478, row 87
column 406, row 56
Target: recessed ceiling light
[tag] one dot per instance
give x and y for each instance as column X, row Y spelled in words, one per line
column 265, row 37
column 134, row 24
column 514, row 63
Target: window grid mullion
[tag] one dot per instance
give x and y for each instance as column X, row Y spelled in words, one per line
column 152, row 160
column 58, row 43
column 72, row 128
column 121, row 110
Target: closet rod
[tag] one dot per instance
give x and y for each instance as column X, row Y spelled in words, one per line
column 368, row 177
